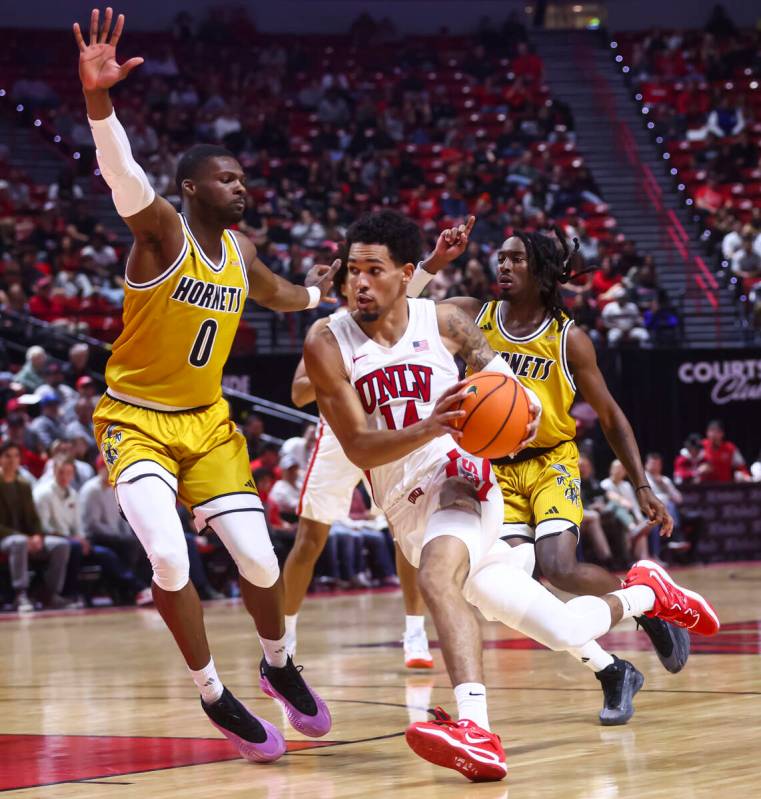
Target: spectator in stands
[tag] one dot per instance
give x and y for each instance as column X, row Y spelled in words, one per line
column 606, row 283
column 101, row 252
column 269, row 457
column 595, row 504
column 722, row 460
column 79, row 355
column 286, row 491
column 31, row 374
column 253, row 429
column 82, row 427
column 755, row 469
column 63, row 449
column 300, row 447
column 57, row 503
column 22, row 537
column 746, row 263
column 47, row 427
column 620, row 493
column 103, row 525
column 665, row 490
column 54, row 377
column 688, row 461
column 708, row 197
column 733, row 240
column 661, row 322
column 624, row 322
column 726, row 119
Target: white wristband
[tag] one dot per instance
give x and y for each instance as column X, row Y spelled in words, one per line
column 420, row 279
column 315, row 295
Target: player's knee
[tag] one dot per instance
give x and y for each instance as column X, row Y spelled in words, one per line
column 171, row 567
column 458, row 494
column 309, row 544
column 259, row 568
column 558, row 566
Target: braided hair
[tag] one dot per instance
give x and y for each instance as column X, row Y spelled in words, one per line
column 549, row 261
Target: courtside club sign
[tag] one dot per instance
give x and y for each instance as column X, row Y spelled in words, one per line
column 737, row 380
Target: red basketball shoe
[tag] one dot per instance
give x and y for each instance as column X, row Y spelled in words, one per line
column 673, row 603
column 461, row 745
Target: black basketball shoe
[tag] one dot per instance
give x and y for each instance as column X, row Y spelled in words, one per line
column 305, row 710
column 256, row 739
column 620, row 682
column 671, row 644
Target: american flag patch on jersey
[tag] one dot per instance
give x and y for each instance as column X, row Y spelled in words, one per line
column 420, row 346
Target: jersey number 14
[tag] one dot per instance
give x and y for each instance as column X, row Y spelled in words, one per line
column 410, row 415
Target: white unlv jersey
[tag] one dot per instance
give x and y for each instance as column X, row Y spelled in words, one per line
column 398, row 386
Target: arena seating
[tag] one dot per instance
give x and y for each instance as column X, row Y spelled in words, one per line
column 702, row 92
column 325, row 131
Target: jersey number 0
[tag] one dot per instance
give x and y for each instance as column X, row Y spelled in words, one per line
column 200, row 352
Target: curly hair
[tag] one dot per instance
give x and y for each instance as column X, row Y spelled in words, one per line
column 400, row 234
column 549, row 261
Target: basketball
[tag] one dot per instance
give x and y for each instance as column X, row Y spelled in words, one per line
column 497, row 413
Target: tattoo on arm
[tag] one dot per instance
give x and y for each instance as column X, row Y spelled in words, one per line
column 472, row 346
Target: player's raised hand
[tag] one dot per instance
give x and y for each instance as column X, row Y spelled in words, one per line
column 322, row 277
column 655, row 510
column 450, row 245
column 98, row 68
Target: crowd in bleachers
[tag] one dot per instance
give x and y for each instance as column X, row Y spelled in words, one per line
column 325, row 130
column 60, row 524
column 63, row 541
column 701, row 89
column 614, row 530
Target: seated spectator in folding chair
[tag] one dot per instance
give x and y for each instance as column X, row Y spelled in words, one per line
column 665, row 490
column 57, row 504
column 62, row 448
column 374, row 561
column 595, row 506
column 621, row 495
column 103, row 525
column 688, row 462
column 22, row 538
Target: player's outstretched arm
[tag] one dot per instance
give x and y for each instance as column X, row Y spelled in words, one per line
column 341, row 407
column 463, row 338
column 590, row 382
column 450, row 245
column 152, row 220
column 271, row 291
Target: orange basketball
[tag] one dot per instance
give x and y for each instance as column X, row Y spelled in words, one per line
column 497, row 415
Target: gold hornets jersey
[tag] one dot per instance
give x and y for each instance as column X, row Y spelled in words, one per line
column 539, row 362
column 179, row 329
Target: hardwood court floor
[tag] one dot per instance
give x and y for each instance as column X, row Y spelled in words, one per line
column 99, row 706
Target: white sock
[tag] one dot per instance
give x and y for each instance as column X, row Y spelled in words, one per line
column 471, row 703
column 414, row 624
column 208, row 683
column 275, row 652
column 635, row 600
column 290, row 634
column 593, row 656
